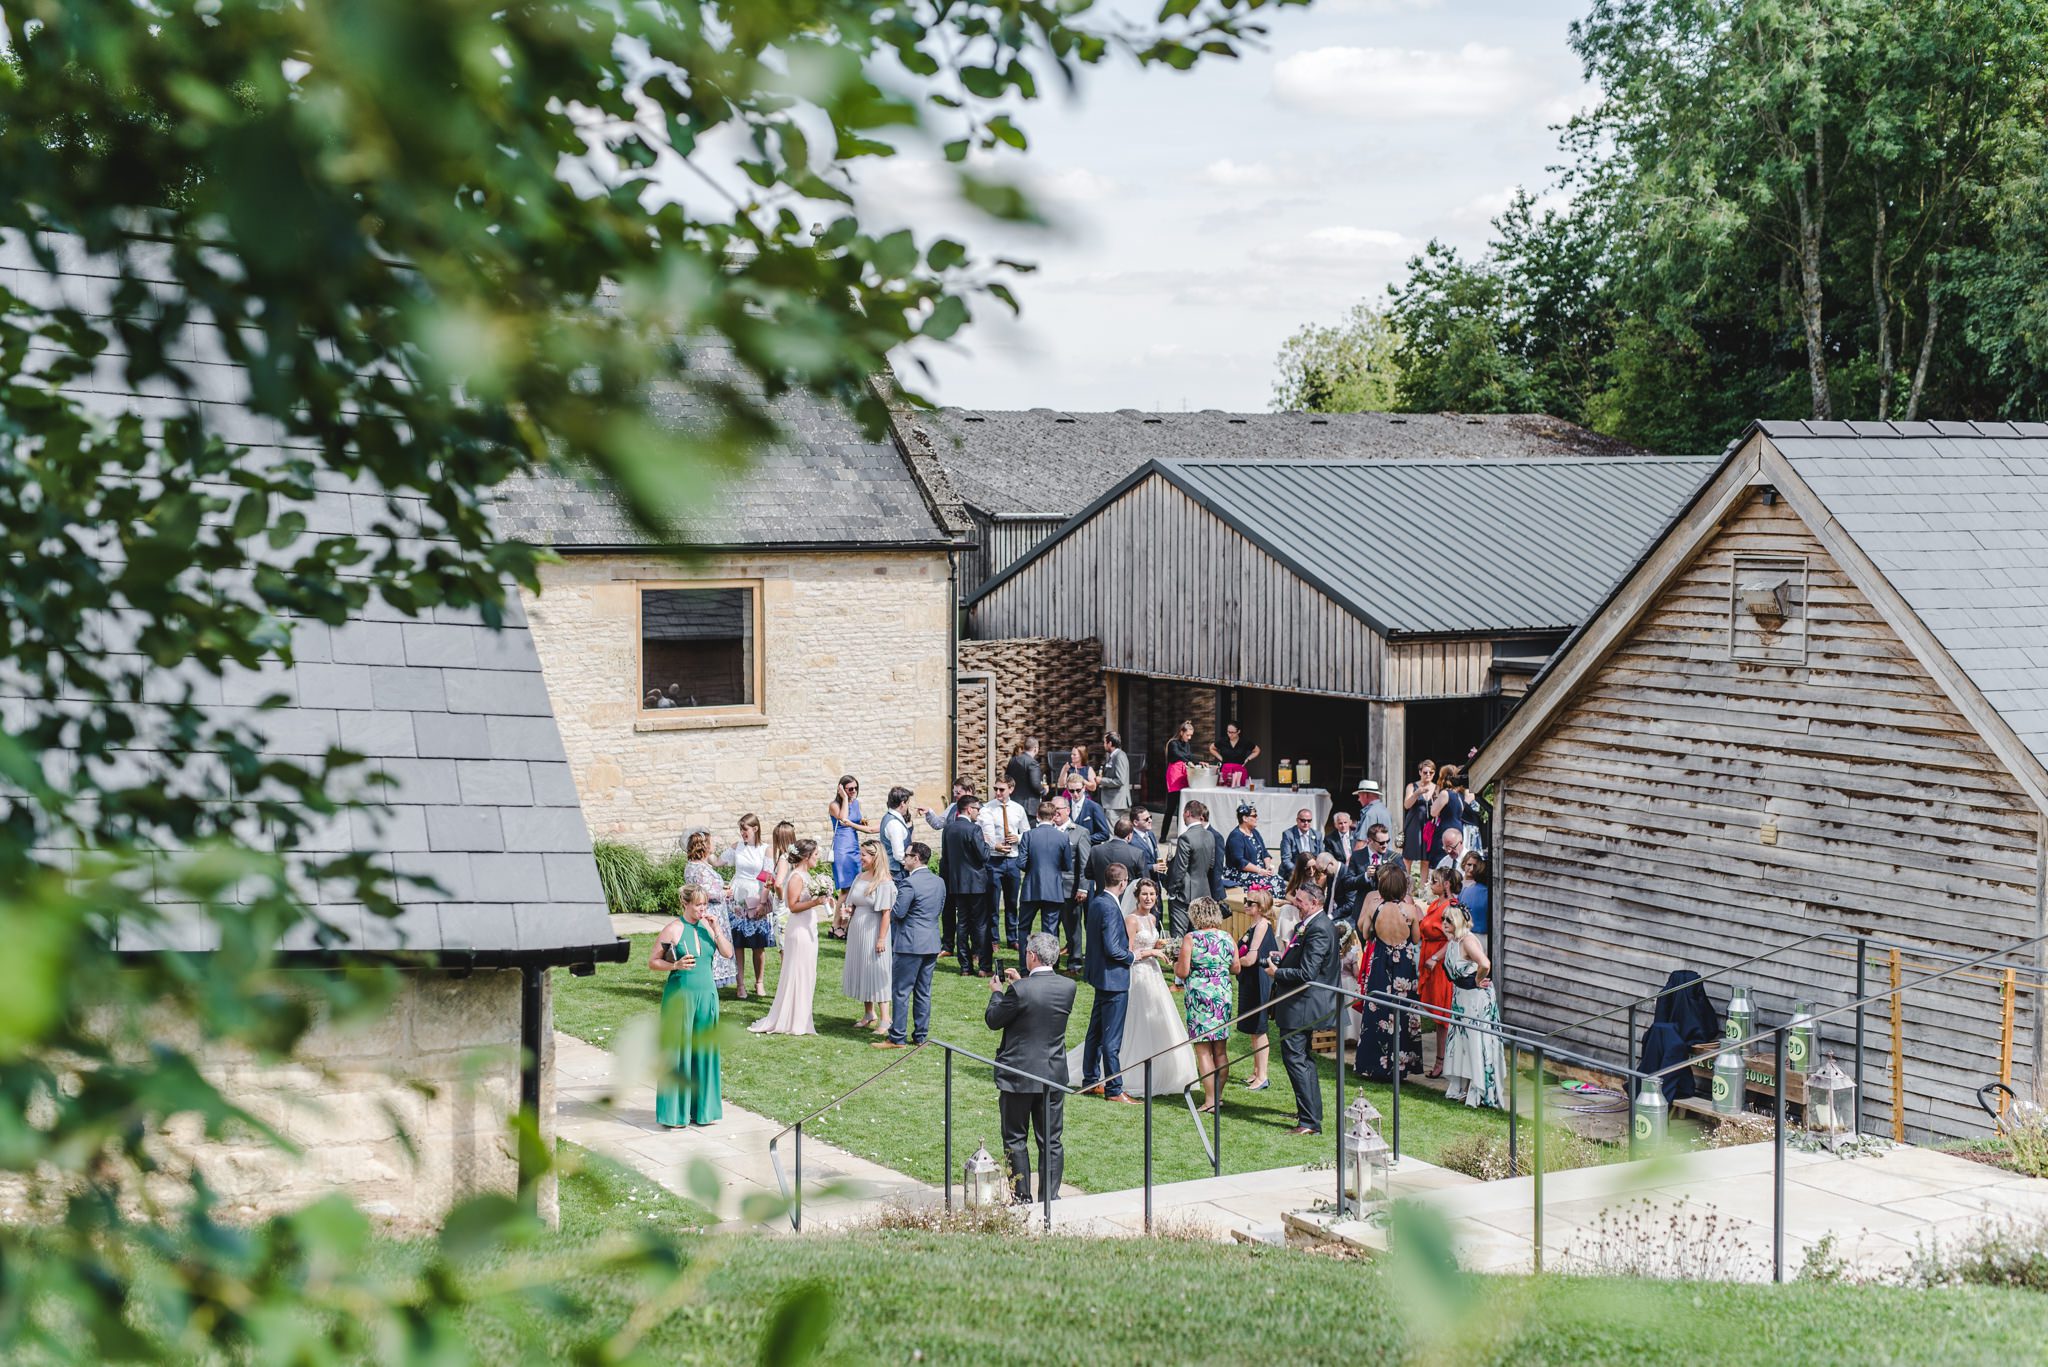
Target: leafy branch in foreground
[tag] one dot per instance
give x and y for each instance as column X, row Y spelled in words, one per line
column 271, row 259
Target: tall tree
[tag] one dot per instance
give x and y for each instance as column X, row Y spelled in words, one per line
column 1348, row 368
column 397, row 216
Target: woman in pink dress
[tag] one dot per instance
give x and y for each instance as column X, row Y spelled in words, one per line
column 797, row 983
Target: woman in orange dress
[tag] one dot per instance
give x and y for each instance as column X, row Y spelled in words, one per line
column 1434, row 989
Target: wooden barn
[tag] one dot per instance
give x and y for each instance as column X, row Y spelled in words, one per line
column 1354, row 613
column 1818, row 702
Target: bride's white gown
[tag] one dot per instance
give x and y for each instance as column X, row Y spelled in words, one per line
column 1152, row 1022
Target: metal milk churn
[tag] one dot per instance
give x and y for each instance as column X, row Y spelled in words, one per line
column 1651, row 1114
column 1728, row 1082
column 1741, row 1015
column 1799, row 1039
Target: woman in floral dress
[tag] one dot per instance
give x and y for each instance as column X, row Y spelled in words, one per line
column 698, row 873
column 1392, row 969
column 1206, row 957
column 1474, row 1063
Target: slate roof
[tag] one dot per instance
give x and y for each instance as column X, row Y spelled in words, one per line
column 455, row 712
column 1955, row 515
column 1044, row 463
column 1541, row 541
column 826, row 484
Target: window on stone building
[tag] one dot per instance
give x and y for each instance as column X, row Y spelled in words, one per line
column 698, row 647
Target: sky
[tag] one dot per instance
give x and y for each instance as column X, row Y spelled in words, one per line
column 1204, row 216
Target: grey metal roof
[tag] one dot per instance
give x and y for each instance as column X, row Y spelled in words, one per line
column 1043, row 463
column 1955, row 515
column 457, row 714
column 1537, row 543
column 826, row 484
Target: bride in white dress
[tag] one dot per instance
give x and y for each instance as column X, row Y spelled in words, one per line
column 1152, row 1019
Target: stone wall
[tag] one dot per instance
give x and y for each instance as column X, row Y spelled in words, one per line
column 855, row 682
column 1048, row 688
column 443, row 1063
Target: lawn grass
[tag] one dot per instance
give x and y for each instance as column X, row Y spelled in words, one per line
column 907, row 1297
column 896, row 1122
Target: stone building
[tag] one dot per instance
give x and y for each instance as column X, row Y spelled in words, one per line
column 798, row 625
column 480, row 800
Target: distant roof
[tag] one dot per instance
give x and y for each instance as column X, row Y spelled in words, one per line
column 1955, row 515
column 1045, row 463
column 828, row 484
column 1440, row 547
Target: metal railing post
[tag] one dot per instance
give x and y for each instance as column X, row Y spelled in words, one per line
column 949, row 1128
column 1216, row 1124
column 1514, row 1056
column 1778, row 1160
column 1339, row 1126
column 1630, row 1056
column 1538, row 1182
column 1400, row 1057
column 796, row 1221
column 1862, row 965
column 1148, row 1146
column 1045, row 1179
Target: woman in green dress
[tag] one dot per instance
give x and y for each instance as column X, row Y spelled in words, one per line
column 687, row 1091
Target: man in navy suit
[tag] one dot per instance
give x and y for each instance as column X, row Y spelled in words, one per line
column 1047, row 860
column 970, row 887
column 1108, row 971
column 914, row 948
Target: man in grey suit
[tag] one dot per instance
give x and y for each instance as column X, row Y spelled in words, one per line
column 1196, row 869
column 914, row 947
column 1032, row 1015
column 1048, row 871
column 1310, row 961
column 1113, row 789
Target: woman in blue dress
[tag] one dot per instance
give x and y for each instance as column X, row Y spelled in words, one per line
column 688, row 1092
column 847, row 829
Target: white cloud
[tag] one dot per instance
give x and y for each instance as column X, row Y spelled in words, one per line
column 1239, row 175
column 1491, row 205
column 1076, row 185
column 1337, row 247
column 1475, row 81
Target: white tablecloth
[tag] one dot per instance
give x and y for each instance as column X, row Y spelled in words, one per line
column 1277, row 807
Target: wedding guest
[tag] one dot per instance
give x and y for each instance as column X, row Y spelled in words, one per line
column 1371, row 807
column 1391, row 970
column 1258, row 945
column 1417, row 827
column 1031, row 1009
column 1310, row 962
column 699, row 873
column 1447, row 811
column 1248, row 864
column 1451, row 840
column 913, row 950
column 1107, row 968
column 867, row 976
column 1118, row 849
column 964, row 859
column 1196, row 869
column 1300, row 841
column 1341, row 841
column 1433, row 986
column 1180, row 751
column 847, row 829
column 797, row 981
column 1476, row 897
column 1113, row 787
column 1076, row 773
column 688, row 1092
column 1074, row 918
column 1146, row 842
column 1026, row 776
column 1003, row 825
column 1475, row 1065
column 1087, row 813
column 1046, row 862
column 751, row 900
column 896, row 829
column 1204, row 964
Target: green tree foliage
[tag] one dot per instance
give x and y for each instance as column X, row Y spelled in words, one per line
column 400, row 216
column 1778, row 208
column 1348, row 368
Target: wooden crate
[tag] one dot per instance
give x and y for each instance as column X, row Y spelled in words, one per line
column 1759, row 1073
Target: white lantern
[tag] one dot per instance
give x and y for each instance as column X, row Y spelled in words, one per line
column 981, row 1179
column 1830, row 1103
column 1360, row 1109
column 1368, row 1162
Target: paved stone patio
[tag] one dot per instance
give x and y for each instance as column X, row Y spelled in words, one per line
column 1879, row 1207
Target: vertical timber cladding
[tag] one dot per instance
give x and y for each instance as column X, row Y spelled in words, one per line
column 1687, row 809
column 1174, row 592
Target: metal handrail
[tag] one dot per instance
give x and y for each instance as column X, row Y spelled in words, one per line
column 794, row 1192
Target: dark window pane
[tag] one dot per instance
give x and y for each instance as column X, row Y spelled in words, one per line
column 696, row 648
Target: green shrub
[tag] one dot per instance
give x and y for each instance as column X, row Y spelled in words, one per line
column 622, row 871
column 2012, row 1253
column 1485, row 1156
column 659, row 889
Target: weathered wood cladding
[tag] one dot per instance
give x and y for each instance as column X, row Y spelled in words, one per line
column 1174, row 593
column 1439, row 669
column 999, row 544
column 1637, row 829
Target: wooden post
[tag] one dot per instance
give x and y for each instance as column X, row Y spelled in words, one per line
column 1386, row 759
column 2005, row 1033
column 1898, row 1053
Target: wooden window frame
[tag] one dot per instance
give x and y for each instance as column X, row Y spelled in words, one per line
column 1799, row 571
column 700, row 718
